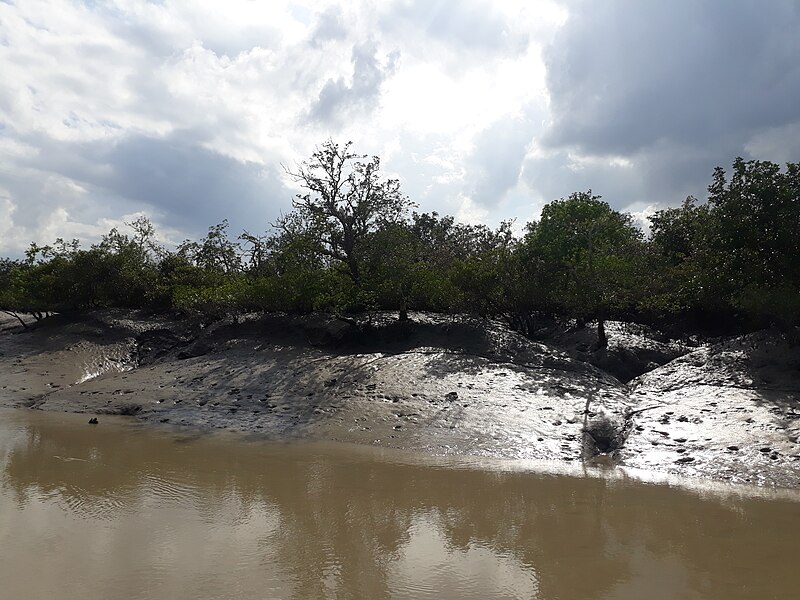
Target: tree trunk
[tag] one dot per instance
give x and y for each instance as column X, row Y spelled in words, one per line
column 403, row 310
column 602, row 340
column 355, row 275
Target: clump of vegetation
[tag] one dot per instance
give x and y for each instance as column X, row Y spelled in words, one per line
column 353, row 243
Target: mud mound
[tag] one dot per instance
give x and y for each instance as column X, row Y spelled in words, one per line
column 727, row 410
column 730, row 409
column 466, row 386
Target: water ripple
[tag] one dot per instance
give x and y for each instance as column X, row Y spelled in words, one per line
column 169, row 490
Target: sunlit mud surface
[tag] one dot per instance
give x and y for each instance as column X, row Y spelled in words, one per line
column 123, row 510
column 730, row 410
column 725, row 409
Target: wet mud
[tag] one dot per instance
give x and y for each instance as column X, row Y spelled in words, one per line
column 726, row 410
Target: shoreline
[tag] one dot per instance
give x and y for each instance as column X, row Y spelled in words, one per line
column 452, row 387
column 612, row 474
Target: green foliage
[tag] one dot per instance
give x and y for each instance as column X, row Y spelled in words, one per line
column 590, row 256
column 12, row 287
column 211, row 302
column 678, row 246
column 778, row 305
column 754, row 223
column 349, row 245
column 215, row 253
column 737, row 255
column 677, row 234
column 485, row 275
column 754, row 219
column 346, row 200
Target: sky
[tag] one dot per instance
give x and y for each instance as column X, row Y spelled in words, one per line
column 191, row 111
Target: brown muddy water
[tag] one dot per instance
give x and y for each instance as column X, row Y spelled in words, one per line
column 123, row 511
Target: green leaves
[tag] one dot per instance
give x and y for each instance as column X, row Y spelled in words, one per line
column 350, row 245
column 589, row 253
column 345, row 201
column 735, row 257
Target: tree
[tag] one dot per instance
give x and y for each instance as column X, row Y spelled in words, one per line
column 753, row 229
column 298, row 270
column 401, row 270
column 391, row 266
column 215, row 252
column 345, row 201
column 45, row 279
column 409, row 264
column 592, row 251
column 144, row 236
column 735, row 257
column 678, row 256
column 12, row 300
column 485, row 270
column 677, row 233
column 256, row 251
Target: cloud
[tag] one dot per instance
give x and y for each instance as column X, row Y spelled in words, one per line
column 623, row 75
column 497, row 161
column 461, row 26
column 674, row 88
column 339, row 99
column 182, row 186
column 192, row 186
column 330, row 26
column 185, row 109
column 780, row 143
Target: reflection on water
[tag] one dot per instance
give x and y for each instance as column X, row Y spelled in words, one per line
column 116, row 511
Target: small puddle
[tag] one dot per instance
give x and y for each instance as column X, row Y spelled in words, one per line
column 122, row 510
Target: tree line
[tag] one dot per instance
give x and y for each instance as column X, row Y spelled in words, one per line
column 353, row 243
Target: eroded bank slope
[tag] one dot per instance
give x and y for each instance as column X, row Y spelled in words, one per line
column 438, row 384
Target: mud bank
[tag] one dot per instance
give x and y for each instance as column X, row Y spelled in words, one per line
column 438, row 384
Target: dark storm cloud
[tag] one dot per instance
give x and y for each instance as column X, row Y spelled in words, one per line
column 625, row 75
column 339, row 99
column 555, row 177
column 675, row 87
column 661, row 176
column 194, row 186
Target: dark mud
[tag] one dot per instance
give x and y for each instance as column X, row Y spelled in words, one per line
column 438, row 384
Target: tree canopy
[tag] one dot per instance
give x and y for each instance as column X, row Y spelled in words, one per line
column 344, row 202
column 591, row 252
column 351, row 243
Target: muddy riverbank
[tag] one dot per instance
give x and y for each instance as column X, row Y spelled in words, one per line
column 726, row 410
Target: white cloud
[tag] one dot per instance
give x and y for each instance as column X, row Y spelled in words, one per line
column 131, row 101
column 7, row 209
column 470, row 212
column 185, row 109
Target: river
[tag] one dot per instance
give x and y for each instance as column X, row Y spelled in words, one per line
column 121, row 510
